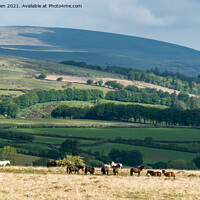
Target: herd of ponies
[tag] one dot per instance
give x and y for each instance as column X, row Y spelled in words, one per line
column 116, row 167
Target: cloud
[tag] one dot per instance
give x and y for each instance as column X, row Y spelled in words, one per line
column 137, row 14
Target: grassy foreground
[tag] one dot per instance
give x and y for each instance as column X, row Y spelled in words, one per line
column 42, row 183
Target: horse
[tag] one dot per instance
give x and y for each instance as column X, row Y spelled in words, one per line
column 115, row 170
column 52, row 164
column 137, row 170
column 153, row 173
column 80, row 167
column 168, row 174
column 73, row 169
column 105, row 170
column 105, row 165
column 113, row 164
column 4, row 163
column 89, row 169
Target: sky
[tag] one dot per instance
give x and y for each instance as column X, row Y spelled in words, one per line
column 174, row 21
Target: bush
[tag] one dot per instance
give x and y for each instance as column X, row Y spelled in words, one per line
column 89, row 82
column 160, row 165
column 71, row 161
column 60, row 79
column 196, row 160
column 96, row 163
column 41, row 162
column 42, row 75
column 181, row 164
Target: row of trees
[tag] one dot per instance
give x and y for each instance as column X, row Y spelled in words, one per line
column 110, row 111
column 11, row 107
column 181, row 101
column 167, row 79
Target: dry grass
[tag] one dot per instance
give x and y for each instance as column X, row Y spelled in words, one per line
column 42, row 183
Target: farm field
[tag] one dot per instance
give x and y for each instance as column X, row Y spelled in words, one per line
column 104, row 140
column 180, row 134
column 54, row 183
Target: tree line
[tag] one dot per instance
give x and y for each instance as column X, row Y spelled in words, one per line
column 136, row 113
column 167, row 79
column 132, row 93
column 11, row 107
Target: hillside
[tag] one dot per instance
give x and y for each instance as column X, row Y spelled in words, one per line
column 57, row 44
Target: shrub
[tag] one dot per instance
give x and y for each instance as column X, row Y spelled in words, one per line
column 196, row 160
column 42, row 75
column 41, row 162
column 60, row 79
column 160, row 165
column 71, row 161
column 96, row 163
column 181, row 164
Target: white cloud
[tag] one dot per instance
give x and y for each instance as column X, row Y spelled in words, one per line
column 137, row 14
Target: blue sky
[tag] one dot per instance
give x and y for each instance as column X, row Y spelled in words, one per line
column 175, row 21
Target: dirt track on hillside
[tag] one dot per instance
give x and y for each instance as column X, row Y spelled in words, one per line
column 83, row 80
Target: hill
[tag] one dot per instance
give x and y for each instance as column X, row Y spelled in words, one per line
column 57, row 44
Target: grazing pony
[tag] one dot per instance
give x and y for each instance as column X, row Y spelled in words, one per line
column 80, row 167
column 113, row 164
column 105, row 170
column 89, row 169
column 4, row 163
column 168, row 174
column 137, row 170
column 52, row 164
column 73, row 169
column 153, row 173
column 115, row 170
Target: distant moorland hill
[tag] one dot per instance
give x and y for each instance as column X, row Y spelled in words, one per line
column 57, row 44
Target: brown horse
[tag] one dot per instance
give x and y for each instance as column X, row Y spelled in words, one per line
column 153, row 173
column 105, row 170
column 89, row 169
column 73, row 169
column 52, row 164
column 168, row 174
column 115, row 170
column 137, row 170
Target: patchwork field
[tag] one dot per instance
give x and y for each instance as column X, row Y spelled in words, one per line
column 54, row 183
column 105, row 139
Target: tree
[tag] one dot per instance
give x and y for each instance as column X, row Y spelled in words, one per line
column 60, row 79
column 181, row 164
column 40, row 162
column 149, row 141
column 42, row 75
column 160, row 165
column 9, row 108
column 8, row 153
column 71, row 161
column 196, row 160
column 89, row 82
column 70, row 146
column 100, row 83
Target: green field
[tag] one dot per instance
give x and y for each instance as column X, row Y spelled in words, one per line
column 167, row 134
column 151, row 155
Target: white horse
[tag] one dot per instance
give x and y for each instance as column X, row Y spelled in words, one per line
column 4, row 163
column 113, row 164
